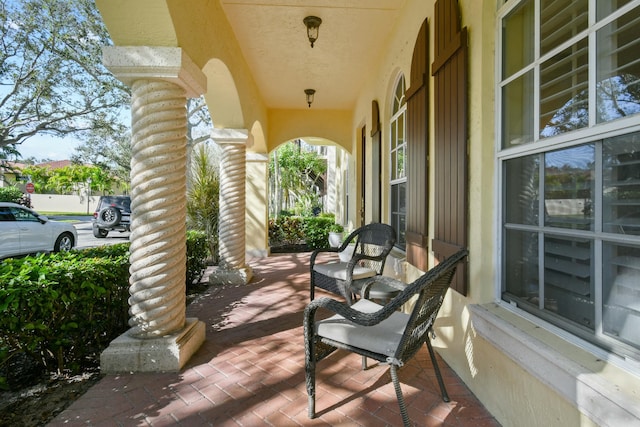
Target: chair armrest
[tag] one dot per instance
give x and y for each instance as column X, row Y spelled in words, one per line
column 335, row 306
column 355, row 260
column 316, row 252
column 388, row 281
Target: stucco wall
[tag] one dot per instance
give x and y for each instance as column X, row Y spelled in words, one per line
column 64, row 203
column 257, row 216
column 563, row 385
column 524, row 374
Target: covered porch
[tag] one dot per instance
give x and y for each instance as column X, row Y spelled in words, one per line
column 442, row 146
column 250, row 371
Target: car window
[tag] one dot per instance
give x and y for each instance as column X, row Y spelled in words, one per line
column 6, row 215
column 122, row 203
column 23, row 215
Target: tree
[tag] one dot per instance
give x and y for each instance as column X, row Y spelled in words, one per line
column 112, row 151
column 69, row 178
column 199, row 122
column 109, row 151
column 297, row 173
column 52, row 80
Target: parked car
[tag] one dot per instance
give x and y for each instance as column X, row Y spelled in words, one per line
column 23, row 231
column 112, row 213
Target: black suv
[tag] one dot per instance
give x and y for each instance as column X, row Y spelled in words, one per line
column 112, row 213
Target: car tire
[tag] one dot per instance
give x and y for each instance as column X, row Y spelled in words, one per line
column 109, row 217
column 64, row 243
column 99, row 232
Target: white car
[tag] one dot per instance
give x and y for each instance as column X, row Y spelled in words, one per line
column 24, row 231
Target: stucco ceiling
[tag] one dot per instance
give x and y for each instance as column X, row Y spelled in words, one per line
column 274, row 43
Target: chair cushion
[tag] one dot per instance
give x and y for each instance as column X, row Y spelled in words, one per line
column 338, row 270
column 382, row 338
column 347, row 253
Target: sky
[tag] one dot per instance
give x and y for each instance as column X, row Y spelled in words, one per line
column 48, row 147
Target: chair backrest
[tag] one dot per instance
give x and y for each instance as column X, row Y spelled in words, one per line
column 430, row 288
column 373, row 242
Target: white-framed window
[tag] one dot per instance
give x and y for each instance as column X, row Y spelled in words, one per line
column 569, row 160
column 398, row 167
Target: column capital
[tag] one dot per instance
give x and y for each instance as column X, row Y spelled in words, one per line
column 232, row 136
column 258, row 157
column 171, row 64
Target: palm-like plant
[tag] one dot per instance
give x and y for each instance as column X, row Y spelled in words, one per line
column 203, row 189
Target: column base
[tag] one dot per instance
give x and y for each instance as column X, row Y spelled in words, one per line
column 240, row 276
column 169, row 353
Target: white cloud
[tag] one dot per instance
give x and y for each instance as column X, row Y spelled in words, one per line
column 48, row 147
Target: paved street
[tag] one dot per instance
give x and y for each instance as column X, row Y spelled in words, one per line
column 87, row 240
column 85, row 233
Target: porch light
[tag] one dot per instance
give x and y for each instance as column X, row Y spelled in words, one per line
column 310, row 93
column 313, row 26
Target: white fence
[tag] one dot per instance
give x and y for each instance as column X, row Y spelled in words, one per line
column 62, row 203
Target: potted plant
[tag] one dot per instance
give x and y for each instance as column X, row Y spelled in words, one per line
column 335, row 235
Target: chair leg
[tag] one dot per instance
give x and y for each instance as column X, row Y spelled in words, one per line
column 310, row 371
column 436, row 368
column 396, row 385
column 364, row 363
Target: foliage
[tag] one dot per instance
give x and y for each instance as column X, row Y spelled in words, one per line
column 203, row 193
column 199, row 122
column 308, row 204
column 316, row 231
column 286, row 230
column 297, row 172
column 10, row 194
column 39, row 175
column 197, row 255
column 294, row 230
column 110, row 151
column 52, row 80
column 59, row 311
column 336, row 228
column 8, row 153
column 69, row 178
column 62, row 309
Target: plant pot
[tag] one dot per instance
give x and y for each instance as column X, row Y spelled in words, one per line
column 335, row 239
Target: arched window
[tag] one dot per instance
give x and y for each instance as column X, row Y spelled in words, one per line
column 398, row 175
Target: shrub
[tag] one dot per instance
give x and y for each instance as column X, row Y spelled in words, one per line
column 203, row 197
column 292, row 230
column 336, row 228
column 316, row 231
column 197, row 254
column 60, row 310
column 286, row 230
column 10, row 194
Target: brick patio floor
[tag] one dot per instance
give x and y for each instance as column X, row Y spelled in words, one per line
column 250, row 371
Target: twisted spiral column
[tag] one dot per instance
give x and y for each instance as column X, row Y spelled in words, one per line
column 232, row 205
column 158, row 204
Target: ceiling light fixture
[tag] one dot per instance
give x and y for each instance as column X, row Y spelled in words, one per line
column 310, row 93
column 313, row 26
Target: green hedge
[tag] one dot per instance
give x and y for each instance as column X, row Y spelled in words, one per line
column 286, row 230
column 291, row 230
column 14, row 195
column 60, row 311
column 197, row 255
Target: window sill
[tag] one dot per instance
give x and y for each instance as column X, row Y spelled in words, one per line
column 571, row 371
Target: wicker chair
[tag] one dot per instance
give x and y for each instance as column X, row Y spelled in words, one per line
column 380, row 332
column 372, row 243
